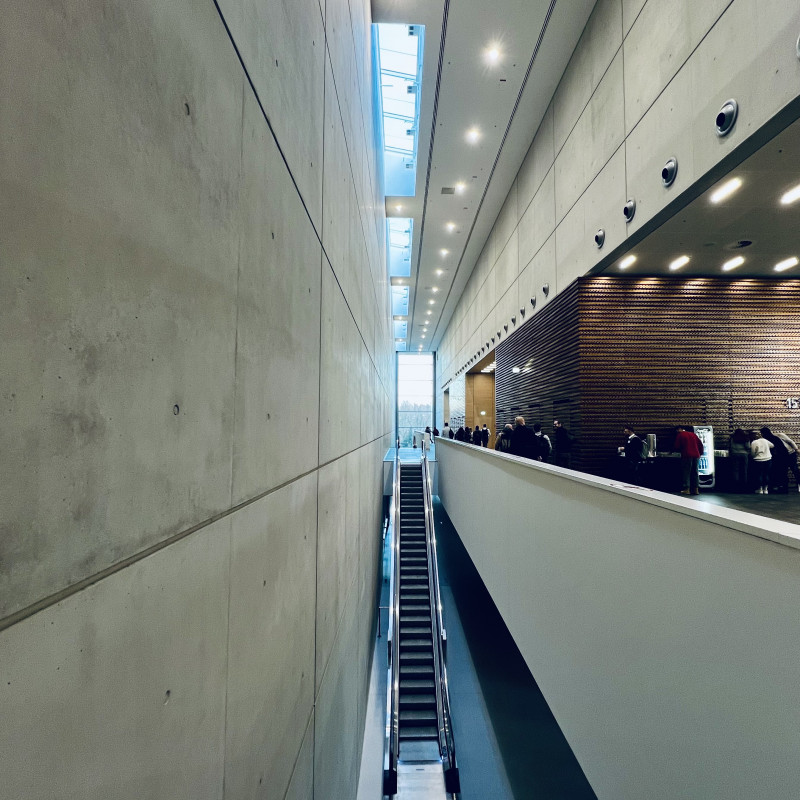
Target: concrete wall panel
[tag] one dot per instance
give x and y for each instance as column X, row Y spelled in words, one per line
column 539, row 221
column 301, row 786
column 118, row 284
column 271, row 639
column 277, row 404
column 118, row 692
column 599, row 42
column 659, row 42
column 537, row 162
column 283, row 48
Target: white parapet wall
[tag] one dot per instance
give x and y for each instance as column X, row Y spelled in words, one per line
column 664, row 632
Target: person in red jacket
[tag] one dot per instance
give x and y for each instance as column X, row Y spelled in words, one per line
column 688, row 443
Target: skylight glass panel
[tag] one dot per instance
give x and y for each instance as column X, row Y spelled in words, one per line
column 400, row 52
column 399, row 233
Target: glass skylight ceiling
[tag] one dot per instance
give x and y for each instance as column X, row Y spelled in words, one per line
column 400, row 49
column 399, row 232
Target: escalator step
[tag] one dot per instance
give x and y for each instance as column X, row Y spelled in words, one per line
column 415, row 645
column 419, row 732
column 419, row 671
column 412, row 684
column 414, row 716
column 418, row 701
column 410, row 619
column 415, row 631
column 416, row 656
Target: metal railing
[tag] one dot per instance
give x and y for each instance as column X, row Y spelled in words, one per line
column 447, row 746
column 392, row 744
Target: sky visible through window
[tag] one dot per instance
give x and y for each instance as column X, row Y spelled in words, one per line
column 414, row 394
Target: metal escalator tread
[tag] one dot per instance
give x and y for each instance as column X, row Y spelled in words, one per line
column 412, row 684
column 419, row 732
column 417, row 716
column 415, row 657
column 418, row 701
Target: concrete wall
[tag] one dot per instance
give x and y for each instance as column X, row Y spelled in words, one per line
column 663, row 632
column 196, row 397
column 644, row 83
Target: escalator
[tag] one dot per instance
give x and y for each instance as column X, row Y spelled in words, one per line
column 420, row 747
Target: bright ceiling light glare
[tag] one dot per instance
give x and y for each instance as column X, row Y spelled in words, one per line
column 440, row 272
column 492, row 55
column 626, row 262
column 679, row 262
column 726, row 190
column 787, row 263
column 473, row 135
column 792, row 196
column 451, row 226
column 398, row 207
column 431, row 302
column 423, row 335
column 434, row 288
column 733, row 263
column 429, row 312
column 399, row 340
column 461, row 187
column 443, row 252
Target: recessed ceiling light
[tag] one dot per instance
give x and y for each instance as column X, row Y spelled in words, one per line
column 492, row 55
column 399, row 317
column 679, row 262
column 726, row 190
column 429, row 311
column 626, row 262
column 787, row 263
column 398, row 207
column 423, row 335
column 399, row 340
column 440, row 272
column 473, row 134
column 434, row 288
column 451, row 226
column 431, row 302
column 791, row 196
column 733, row 263
column 461, row 187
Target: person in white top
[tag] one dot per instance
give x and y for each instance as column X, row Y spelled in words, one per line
column 762, row 458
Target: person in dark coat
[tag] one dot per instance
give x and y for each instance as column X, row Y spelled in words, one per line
column 477, row 436
column 633, row 451
column 450, row 433
column 780, row 462
column 563, row 445
column 468, row 434
column 461, row 434
column 523, row 441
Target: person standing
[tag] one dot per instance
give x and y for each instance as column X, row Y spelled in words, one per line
column 503, row 442
column 791, row 461
column 477, row 436
column 634, row 449
column 485, row 433
column 780, row 461
column 523, row 441
column 740, row 457
column 688, row 444
column 543, row 446
column 761, row 449
column 563, row 445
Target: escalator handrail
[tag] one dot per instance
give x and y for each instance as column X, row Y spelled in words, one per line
column 393, row 642
column 447, row 746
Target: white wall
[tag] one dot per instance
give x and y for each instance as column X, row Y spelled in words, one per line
column 662, row 631
column 196, row 398
column 644, row 83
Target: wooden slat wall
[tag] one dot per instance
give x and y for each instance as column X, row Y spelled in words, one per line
column 659, row 351
column 546, row 349
column 655, row 352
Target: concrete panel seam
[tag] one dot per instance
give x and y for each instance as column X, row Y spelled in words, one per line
column 683, row 64
column 297, row 757
column 63, row 594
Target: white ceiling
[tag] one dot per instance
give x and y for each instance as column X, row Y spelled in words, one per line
column 711, row 233
column 460, row 90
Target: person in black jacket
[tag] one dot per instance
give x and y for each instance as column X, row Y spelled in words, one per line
column 461, row 435
column 633, row 451
column 477, row 436
column 503, row 441
column 523, row 441
column 563, row 445
column 485, row 436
